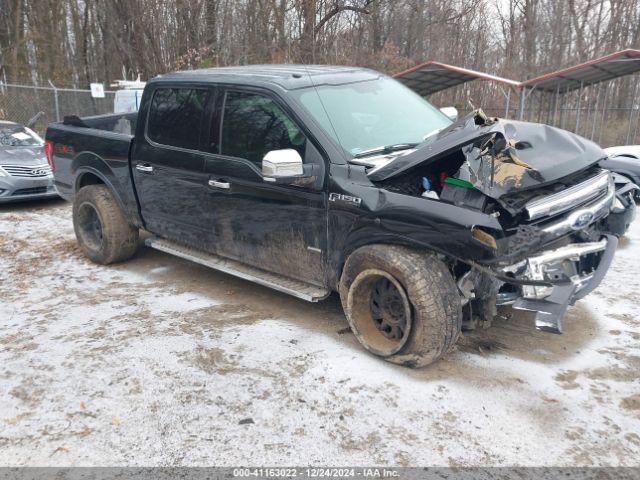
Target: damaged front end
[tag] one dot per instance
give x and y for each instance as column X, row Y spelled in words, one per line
column 565, row 275
column 559, row 253
column 559, row 213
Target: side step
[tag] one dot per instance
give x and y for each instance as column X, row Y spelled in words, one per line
column 305, row 291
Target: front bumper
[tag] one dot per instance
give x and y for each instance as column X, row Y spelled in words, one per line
column 14, row 189
column 552, row 280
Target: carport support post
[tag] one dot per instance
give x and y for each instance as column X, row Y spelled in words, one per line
column 563, row 107
column 523, row 93
column 577, row 129
column 55, row 99
column 556, row 99
column 506, row 110
column 633, row 99
column 604, row 112
column 595, row 114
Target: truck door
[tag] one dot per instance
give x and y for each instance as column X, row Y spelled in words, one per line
column 280, row 228
column 168, row 165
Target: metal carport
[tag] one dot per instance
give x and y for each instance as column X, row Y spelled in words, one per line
column 553, row 89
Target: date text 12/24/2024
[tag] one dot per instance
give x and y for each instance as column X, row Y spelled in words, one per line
column 315, row 472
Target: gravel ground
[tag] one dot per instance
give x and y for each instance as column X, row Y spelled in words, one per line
column 161, row 362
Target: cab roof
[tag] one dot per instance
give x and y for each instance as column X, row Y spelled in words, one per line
column 289, row 77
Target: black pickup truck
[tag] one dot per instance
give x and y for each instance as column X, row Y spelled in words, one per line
column 318, row 179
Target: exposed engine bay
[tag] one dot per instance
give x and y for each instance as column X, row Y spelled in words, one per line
column 560, row 214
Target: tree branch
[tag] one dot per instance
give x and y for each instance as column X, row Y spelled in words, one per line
column 337, row 9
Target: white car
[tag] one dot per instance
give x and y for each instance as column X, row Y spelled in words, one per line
column 24, row 171
column 624, row 161
column 631, row 151
column 127, row 101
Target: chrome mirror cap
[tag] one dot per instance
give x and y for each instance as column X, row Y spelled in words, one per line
column 282, row 163
column 450, row 112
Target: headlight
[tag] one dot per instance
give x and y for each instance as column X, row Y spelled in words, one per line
column 3, row 173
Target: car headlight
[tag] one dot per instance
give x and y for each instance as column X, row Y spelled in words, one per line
column 3, row 173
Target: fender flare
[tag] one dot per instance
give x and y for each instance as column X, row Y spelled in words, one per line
column 82, row 170
column 354, row 242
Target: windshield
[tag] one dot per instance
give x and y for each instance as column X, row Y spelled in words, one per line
column 371, row 114
column 18, row 136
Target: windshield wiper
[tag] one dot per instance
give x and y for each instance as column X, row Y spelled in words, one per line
column 385, row 149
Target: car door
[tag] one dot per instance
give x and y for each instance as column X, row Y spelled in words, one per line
column 279, row 228
column 168, row 164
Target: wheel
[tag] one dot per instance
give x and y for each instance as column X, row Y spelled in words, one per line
column 401, row 304
column 102, row 230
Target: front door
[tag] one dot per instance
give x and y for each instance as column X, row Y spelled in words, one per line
column 279, row 228
column 168, row 164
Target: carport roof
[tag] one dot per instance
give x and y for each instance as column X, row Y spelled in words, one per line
column 599, row 70
column 432, row 77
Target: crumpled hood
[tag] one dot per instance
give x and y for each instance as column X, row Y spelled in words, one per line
column 502, row 156
column 22, row 155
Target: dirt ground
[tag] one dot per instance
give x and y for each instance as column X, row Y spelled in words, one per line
column 161, row 362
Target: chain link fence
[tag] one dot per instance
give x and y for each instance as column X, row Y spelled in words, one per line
column 19, row 103
column 608, row 126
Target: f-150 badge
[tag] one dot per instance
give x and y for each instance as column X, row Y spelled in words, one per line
column 339, row 197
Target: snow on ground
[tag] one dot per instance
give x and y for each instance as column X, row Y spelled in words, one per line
column 162, row 362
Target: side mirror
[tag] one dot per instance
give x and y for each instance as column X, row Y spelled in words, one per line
column 450, row 112
column 281, row 164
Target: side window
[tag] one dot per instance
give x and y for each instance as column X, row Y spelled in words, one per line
column 254, row 125
column 176, row 116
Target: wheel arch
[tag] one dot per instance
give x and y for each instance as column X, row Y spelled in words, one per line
column 356, row 243
column 89, row 168
column 86, row 176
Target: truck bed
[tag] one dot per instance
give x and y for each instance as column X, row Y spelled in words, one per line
column 123, row 123
column 94, row 150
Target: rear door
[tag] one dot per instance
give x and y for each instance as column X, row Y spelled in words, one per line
column 280, row 228
column 168, row 162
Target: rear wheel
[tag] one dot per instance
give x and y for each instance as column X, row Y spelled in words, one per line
column 401, row 304
column 102, row 230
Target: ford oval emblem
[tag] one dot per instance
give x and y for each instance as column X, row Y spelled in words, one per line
column 582, row 220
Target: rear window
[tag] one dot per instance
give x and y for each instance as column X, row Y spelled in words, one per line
column 176, row 117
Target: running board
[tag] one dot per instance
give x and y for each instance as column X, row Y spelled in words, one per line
column 305, row 291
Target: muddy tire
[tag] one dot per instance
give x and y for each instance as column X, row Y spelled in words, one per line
column 401, row 304
column 102, row 230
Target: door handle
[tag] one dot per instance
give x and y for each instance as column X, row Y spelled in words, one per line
column 218, row 184
column 144, row 167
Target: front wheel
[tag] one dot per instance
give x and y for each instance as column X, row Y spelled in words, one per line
column 102, row 230
column 401, row 304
